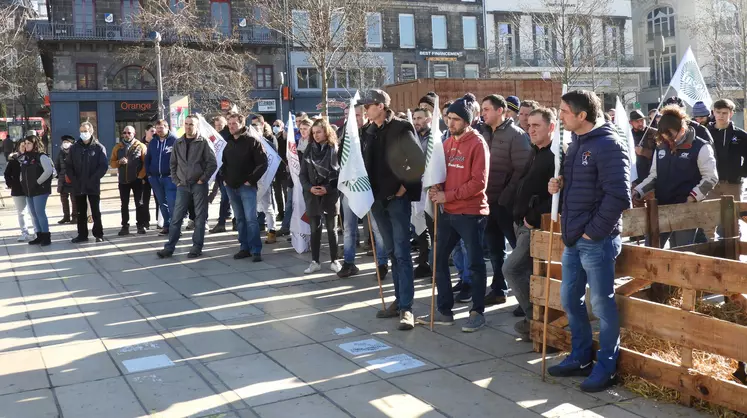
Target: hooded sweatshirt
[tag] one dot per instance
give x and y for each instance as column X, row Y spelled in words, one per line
column 466, row 175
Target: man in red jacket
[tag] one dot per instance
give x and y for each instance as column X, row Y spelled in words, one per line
column 464, row 214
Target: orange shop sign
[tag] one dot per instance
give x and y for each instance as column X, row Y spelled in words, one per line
column 136, row 106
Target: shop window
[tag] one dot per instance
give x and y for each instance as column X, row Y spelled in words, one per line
column 86, row 76
column 133, row 77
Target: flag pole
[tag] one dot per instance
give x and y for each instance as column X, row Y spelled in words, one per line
column 547, row 299
column 669, row 87
column 435, row 253
column 376, row 260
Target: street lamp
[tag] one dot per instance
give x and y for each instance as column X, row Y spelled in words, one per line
column 156, row 37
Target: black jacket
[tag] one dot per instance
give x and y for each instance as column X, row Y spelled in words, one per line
column 13, row 175
column 701, row 131
column 244, row 160
column 532, row 198
column 61, row 166
column 310, row 177
column 32, row 172
column 86, row 164
column 730, row 146
column 393, row 158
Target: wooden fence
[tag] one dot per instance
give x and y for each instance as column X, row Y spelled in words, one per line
column 713, row 267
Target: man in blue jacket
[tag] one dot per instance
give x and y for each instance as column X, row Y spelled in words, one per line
column 596, row 191
column 159, row 172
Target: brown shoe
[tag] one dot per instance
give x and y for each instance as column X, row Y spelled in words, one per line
column 271, row 238
column 406, row 321
column 492, row 299
column 392, row 311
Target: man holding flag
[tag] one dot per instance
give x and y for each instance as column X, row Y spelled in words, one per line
column 395, row 164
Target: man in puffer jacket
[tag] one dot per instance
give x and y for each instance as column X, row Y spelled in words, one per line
column 596, row 191
column 128, row 156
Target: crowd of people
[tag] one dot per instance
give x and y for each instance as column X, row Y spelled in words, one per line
column 500, row 179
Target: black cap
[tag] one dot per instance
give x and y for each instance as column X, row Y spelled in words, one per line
column 636, row 115
column 375, row 96
column 67, row 138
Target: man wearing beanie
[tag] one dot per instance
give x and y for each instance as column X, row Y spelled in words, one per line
column 510, row 151
column 465, row 210
column 395, row 165
column 701, row 114
column 428, row 101
column 513, row 103
column 644, row 146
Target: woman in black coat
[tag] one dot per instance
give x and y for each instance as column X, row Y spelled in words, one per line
column 64, row 185
column 320, row 170
column 13, row 182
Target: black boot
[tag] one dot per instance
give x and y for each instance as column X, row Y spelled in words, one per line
column 46, row 239
column 64, row 220
column 36, row 240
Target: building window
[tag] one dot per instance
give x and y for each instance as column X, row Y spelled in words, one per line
column 86, row 75
column 471, row 71
column 441, row 70
column 406, row 31
column 661, row 22
column 542, row 42
column 264, row 77
column 307, row 78
column 133, row 77
column 612, row 42
column 438, row 31
column 130, row 9
column 300, row 27
column 505, row 48
column 661, row 71
column 373, row 30
column 84, row 12
column 176, row 6
column 220, row 10
column 408, row 72
column 374, row 78
column 336, row 28
column 469, row 32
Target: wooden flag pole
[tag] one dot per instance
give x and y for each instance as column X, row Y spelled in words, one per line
column 433, row 279
column 376, row 260
column 547, row 300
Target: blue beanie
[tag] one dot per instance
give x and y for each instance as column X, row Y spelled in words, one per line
column 513, row 103
column 463, row 107
column 700, row 110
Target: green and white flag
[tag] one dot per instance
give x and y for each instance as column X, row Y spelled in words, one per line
column 353, row 181
column 689, row 83
column 435, row 159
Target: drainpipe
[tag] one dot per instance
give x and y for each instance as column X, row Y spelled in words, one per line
column 485, row 36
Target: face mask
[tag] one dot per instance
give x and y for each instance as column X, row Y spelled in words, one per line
column 85, row 136
column 276, row 130
column 65, row 145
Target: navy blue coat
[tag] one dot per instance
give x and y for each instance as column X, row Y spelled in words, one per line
column 596, row 185
column 159, row 155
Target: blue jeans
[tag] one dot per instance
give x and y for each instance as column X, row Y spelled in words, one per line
column 350, row 237
column 197, row 193
column 592, row 262
column 38, row 209
column 469, row 229
column 500, row 228
column 165, row 191
column 224, row 212
column 393, row 220
column 459, row 255
column 244, row 203
column 288, row 210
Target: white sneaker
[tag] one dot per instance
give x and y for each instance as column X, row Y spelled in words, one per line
column 335, row 266
column 313, row 267
column 24, row 237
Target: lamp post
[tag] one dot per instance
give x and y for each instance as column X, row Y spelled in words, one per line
column 156, row 37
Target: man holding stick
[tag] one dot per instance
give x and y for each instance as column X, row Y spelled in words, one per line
column 596, row 174
column 465, row 201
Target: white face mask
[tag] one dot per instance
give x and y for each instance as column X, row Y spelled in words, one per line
column 276, row 130
column 66, row 145
column 85, row 136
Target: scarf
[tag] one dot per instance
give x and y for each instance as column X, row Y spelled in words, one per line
column 321, row 159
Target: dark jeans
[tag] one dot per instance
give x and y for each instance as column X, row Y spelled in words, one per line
column 224, row 211
column 165, row 192
column 198, row 195
column 141, row 211
column 393, row 219
column 244, row 202
column 425, row 241
column 147, row 191
column 94, row 200
column 316, row 235
column 500, row 228
column 280, row 193
column 470, row 229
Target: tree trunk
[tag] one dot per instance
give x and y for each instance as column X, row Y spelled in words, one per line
column 324, row 94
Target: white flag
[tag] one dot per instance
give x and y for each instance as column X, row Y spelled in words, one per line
column 216, row 141
column 353, row 181
column 435, row 159
column 557, row 148
column 689, row 83
column 623, row 125
column 300, row 228
column 409, row 117
column 273, row 162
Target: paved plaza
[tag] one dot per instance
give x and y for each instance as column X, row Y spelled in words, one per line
column 109, row 330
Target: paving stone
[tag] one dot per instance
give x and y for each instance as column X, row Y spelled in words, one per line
column 152, row 292
column 31, row 404
column 78, row 281
column 271, row 300
column 102, row 299
column 21, row 371
column 606, row 411
column 147, row 346
column 441, row 350
column 119, row 322
column 319, row 326
column 213, row 342
column 237, row 282
column 64, row 329
column 227, row 306
column 259, row 380
column 78, row 363
column 176, row 392
column 173, row 271
column 651, row 408
column 16, row 335
column 196, row 286
column 129, row 278
column 496, row 343
column 110, row 398
column 178, row 313
column 268, row 333
column 208, row 267
column 308, row 406
column 382, row 358
column 381, row 399
column 320, row 367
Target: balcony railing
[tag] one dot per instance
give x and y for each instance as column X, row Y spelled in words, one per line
column 47, row 31
column 531, row 60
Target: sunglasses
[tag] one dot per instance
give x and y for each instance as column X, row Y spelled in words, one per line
column 127, row 133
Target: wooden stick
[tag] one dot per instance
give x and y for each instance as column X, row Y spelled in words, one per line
column 376, row 259
column 547, row 301
column 433, row 279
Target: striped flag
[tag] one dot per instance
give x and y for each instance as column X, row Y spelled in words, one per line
column 215, row 141
column 435, row 159
column 300, row 228
column 353, row 181
column 626, row 134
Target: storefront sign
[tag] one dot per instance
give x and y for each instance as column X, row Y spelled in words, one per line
column 266, row 105
column 332, row 103
column 433, row 55
column 136, row 106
